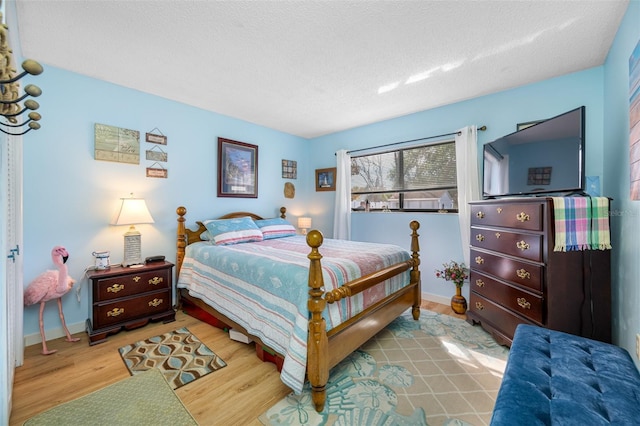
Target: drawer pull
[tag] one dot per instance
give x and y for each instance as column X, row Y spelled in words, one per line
column 136, row 278
column 480, row 215
column 522, row 302
column 499, row 210
column 522, row 245
column 115, row 312
column 479, row 306
column 498, row 235
column 522, row 273
column 479, row 260
column 115, row 288
column 156, row 280
column 479, row 237
column 479, row 283
column 155, row 303
column 522, row 217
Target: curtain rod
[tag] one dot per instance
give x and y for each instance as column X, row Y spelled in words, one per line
column 482, row 128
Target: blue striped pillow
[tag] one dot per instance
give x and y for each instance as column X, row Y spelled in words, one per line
column 233, row 231
column 275, row 228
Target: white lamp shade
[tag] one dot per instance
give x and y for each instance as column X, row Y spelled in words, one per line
column 304, row 222
column 132, row 212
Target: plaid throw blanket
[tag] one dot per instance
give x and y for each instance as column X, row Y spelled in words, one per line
column 581, row 223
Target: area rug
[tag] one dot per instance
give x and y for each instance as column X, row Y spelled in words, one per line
column 439, row 370
column 144, row 399
column 179, row 355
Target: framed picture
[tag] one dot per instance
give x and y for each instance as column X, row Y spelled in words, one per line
column 326, row 179
column 237, row 169
column 522, row 126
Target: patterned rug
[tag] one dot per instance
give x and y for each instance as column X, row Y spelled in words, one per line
column 436, row 371
column 144, row 399
column 179, row 355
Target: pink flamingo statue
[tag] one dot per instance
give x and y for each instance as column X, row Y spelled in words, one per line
column 51, row 285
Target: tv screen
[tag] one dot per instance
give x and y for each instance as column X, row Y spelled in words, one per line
column 546, row 158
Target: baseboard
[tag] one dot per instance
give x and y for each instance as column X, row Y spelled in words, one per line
column 54, row 333
column 436, row 298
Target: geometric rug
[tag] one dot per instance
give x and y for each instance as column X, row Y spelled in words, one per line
column 179, row 355
column 439, row 370
column 144, row 399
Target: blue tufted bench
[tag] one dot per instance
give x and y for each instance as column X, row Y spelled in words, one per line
column 554, row 378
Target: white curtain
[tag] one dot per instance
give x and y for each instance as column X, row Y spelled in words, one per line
column 342, row 214
column 468, row 181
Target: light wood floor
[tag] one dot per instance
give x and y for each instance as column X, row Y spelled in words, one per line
column 236, row 394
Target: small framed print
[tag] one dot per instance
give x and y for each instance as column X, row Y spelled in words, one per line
column 326, row 179
column 237, row 169
column 154, row 138
column 289, row 169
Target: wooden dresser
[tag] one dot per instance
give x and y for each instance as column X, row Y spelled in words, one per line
column 129, row 298
column 516, row 277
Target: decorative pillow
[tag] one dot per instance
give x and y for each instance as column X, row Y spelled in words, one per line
column 233, row 231
column 275, row 228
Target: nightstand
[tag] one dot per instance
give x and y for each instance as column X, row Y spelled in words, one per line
column 129, row 298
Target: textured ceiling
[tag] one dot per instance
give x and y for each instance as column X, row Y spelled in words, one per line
column 311, row 68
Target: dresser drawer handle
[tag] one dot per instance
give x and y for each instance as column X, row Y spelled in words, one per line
column 522, row 302
column 115, row 288
column 155, row 303
column 522, row 217
column 498, row 235
column 479, row 237
column 522, row 273
column 115, row 312
column 522, row 245
column 480, row 215
column 479, row 260
column 499, row 210
column 136, row 278
column 479, row 283
column 156, row 280
column 479, row 306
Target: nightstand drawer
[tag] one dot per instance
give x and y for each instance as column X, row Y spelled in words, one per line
column 518, row 215
column 526, row 274
column 127, row 285
column 524, row 303
column 121, row 310
column 527, row 246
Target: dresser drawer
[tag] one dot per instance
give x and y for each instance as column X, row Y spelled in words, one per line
column 130, row 284
column 121, row 310
column 518, row 215
column 526, row 304
column 527, row 246
column 524, row 273
column 495, row 315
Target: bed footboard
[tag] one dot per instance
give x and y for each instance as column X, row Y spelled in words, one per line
column 319, row 359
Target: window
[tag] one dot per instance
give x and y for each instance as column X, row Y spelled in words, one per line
column 419, row 178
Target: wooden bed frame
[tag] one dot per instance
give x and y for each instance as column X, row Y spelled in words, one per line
column 325, row 348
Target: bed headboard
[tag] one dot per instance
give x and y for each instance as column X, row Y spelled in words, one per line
column 187, row 236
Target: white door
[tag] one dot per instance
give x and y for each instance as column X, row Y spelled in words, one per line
column 11, row 304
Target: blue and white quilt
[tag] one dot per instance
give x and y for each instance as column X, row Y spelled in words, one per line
column 263, row 287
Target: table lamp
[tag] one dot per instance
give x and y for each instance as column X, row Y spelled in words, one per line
column 132, row 211
column 304, row 223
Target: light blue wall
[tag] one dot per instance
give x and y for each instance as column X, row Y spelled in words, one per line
column 440, row 234
column 69, row 198
column 625, row 220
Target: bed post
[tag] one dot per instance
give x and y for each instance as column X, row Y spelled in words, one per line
column 415, row 271
column 181, row 242
column 318, row 344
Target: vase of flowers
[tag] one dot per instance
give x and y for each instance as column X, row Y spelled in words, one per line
column 458, row 273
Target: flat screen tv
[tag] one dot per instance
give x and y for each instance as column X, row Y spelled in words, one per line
column 543, row 159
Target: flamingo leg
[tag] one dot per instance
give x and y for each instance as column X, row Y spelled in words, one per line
column 64, row 324
column 45, row 350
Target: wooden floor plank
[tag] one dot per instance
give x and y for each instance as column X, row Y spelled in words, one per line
column 235, row 394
